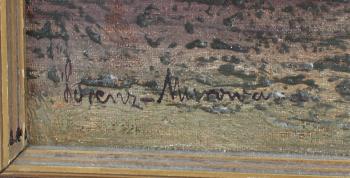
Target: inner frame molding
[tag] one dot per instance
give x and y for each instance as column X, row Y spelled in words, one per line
column 113, row 162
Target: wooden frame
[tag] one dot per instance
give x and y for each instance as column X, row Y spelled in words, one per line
column 12, row 80
column 45, row 161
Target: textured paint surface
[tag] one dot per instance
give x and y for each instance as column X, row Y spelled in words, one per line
column 84, row 58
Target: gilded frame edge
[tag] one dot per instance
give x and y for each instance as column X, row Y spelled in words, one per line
column 4, row 152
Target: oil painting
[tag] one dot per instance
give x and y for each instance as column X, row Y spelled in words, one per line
column 199, row 75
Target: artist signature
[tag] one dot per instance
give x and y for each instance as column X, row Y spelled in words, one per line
column 171, row 84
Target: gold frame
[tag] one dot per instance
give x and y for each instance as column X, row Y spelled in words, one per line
column 73, row 162
column 12, row 77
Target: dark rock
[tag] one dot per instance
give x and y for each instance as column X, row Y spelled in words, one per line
column 32, row 73
column 153, row 43
column 172, row 45
column 274, row 39
column 293, row 80
column 212, row 59
column 310, row 6
column 257, row 50
column 263, row 66
column 178, row 17
column 200, row 19
column 38, row 52
column 143, row 20
column 246, row 76
column 174, row 8
column 46, row 32
column 300, row 96
column 284, row 48
column 190, row 92
column 182, row 65
column 333, row 79
column 85, row 53
column 76, row 28
column 89, row 19
column 93, row 35
column 227, row 69
column 311, row 83
column 260, row 34
column 266, row 44
column 298, row 66
column 264, row 81
column 297, row 79
column 146, row 18
column 238, row 2
column 126, row 83
column 260, row 107
column 189, row 28
column 52, row 74
column 238, row 108
column 86, row 91
column 231, row 59
column 298, row 38
column 343, row 88
column 259, row 13
column 288, row 9
column 208, row 11
column 165, row 59
column 147, row 100
column 336, row 42
column 212, row 98
column 335, row 63
column 218, row 44
column 149, row 8
column 232, row 19
column 152, row 84
column 207, row 60
column 196, row 44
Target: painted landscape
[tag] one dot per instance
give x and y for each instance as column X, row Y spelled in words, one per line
column 209, row 75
